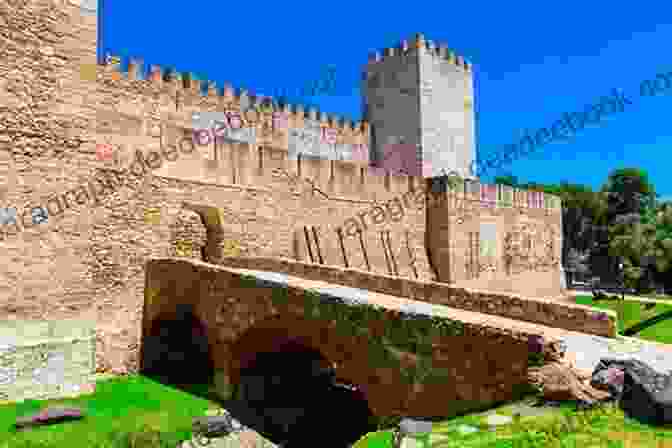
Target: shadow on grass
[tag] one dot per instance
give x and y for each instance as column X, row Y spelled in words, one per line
column 201, row 390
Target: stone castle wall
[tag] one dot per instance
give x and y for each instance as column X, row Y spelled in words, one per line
column 497, row 239
column 86, row 257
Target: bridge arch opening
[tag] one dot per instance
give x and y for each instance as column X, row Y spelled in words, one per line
column 176, row 349
column 294, row 389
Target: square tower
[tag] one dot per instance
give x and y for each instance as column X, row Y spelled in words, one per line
column 419, row 102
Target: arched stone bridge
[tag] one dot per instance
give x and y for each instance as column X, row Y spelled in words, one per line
column 408, row 357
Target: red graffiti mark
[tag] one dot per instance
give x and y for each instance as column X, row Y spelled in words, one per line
column 104, row 151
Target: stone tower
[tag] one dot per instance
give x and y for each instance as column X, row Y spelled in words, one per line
column 419, row 101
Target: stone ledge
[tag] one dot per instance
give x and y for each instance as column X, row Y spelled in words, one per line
column 541, row 311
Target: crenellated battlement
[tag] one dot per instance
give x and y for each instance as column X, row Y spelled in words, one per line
column 423, row 79
column 308, row 130
column 254, row 162
column 419, row 43
column 188, row 84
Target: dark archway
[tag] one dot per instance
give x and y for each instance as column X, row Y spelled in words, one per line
column 294, row 392
column 176, row 350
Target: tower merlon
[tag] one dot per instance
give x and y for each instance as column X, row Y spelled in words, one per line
column 439, row 50
column 156, row 74
column 135, row 68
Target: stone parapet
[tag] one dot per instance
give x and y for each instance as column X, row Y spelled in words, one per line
column 545, row 311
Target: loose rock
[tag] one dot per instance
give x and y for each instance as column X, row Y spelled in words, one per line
column 410, row 426
column 497, row 420
column 49, row 416
column 561, row 382
column 644, row 393
column 216, row 425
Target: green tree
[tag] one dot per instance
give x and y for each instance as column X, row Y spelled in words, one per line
column 628, row 191
column 661, row 254
column 644, row 243
column 577, row 263
column 582, row 217
column 631, row 201
column 510, row 180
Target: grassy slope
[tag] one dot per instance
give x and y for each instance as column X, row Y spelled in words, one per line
column 634, row 312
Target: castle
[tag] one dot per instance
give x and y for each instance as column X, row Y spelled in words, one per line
column 244, row 195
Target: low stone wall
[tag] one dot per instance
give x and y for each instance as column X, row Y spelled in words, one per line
column 540, row 311
column 44, row 360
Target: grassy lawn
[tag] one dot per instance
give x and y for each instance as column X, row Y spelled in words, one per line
column 120, row 406
column 131, row 405
column 633, row 312
column 658, row 296
column 564, row 428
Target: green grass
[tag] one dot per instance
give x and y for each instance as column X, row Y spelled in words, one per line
column 134, row 404
column 633, row 312
column 561, row 428
column 658, row 296
column 378, row 439
column 119, row 406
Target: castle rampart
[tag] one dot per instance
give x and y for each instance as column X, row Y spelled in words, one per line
column 181, row 95
column 88, row 261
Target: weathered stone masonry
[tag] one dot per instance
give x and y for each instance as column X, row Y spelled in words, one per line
column 530, row 309
column 468, row 364
column 89, row 261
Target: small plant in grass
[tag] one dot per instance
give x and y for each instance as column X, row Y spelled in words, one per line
column 146, row 437
column 531, row 438
column 558, row 430
column 388, row 422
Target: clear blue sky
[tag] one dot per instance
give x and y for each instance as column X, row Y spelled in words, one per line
column 533, row 62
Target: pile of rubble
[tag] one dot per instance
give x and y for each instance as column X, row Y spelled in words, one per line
column 643, row 393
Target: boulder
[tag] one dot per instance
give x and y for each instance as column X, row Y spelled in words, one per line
column 410, row 426
column 644, row 393
column 559, row 381
column 408, row 430
column 608, row 375
column 216, row 426
column 48, row 416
